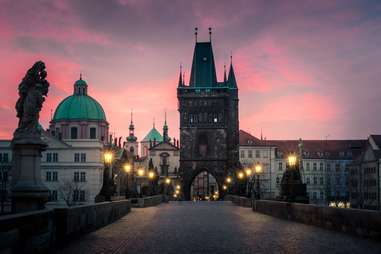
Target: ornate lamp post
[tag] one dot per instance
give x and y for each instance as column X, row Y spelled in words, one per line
column 127, row 169
column 152, row 177
column 107, row 187
column 167, row 182
column 258, row 172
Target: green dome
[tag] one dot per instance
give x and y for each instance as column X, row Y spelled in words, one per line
column 79, row 107
column 153, row 135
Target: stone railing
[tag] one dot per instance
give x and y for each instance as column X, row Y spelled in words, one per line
column 39, row 231
column 355, row 221
column 148, row 201
column 74, row 221
column 238, row 200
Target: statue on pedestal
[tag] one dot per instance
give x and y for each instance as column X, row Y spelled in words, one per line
column 28, row 191
column 32, row 91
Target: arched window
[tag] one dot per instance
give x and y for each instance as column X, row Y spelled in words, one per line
column 74, row 132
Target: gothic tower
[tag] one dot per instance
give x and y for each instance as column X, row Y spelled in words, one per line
column 209, row 126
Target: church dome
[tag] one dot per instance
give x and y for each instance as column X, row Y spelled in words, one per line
column 79, row 106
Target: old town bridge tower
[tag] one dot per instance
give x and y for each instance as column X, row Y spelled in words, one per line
column 209, row 125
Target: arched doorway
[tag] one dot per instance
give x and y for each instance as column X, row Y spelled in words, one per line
column 204, row 187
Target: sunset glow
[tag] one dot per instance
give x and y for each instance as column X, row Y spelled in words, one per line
column 304, row 69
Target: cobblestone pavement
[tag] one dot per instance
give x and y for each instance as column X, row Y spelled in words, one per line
column 213, row 227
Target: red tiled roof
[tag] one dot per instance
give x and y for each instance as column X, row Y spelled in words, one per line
column 311, row 148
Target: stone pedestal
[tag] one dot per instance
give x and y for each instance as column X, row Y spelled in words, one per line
column 28, row 191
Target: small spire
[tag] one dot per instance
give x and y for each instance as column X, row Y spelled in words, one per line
column 165, row 117
column 153, row 123
column 181, row 76
column 131, row 117
column 184, row 78
column 80, row 76
column 195, row 33
column 225, row 79
column 261, row 135
column 210, row 34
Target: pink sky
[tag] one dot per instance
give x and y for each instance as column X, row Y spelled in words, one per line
column 304, row 68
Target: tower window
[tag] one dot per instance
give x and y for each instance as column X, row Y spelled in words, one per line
column 74, row 132
column 93, row 133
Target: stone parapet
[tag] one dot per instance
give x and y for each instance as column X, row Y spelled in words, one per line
column 40, row 231
column 148, row 201
column 238, row 200
column 359, row 222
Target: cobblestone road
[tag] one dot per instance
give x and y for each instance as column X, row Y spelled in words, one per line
column 213, row 227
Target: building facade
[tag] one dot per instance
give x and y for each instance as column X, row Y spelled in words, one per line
column 365, row 176
column 324, row 165
column 208, row 120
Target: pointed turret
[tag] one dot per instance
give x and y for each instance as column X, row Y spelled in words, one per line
column 231, row 79
column 225, row 79
column 203, row 72
column 131, row 137
column 181, row 82
column 166, row 138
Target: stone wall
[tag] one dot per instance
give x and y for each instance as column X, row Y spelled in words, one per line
column 74, row 221
column 39, row 231
column 238, row 200
column 365, row 223
column 148, row 201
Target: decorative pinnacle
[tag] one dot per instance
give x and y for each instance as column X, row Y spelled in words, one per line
column 80, row 75
column 210, row 34
column 195, row 33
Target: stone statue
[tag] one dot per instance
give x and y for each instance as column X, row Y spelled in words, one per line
column 32, row 91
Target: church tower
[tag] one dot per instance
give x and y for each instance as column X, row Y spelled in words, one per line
column 209, row 127
column 131, row 143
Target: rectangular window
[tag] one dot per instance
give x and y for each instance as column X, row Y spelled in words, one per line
column 93, row 133
column 280, row 166
column 314, row 166
column 76, row 157
column 250, row 154
column 83, row 176
column 75, row 195
column 337, row 167
column 314, row 196
column 242, row 154
column 321, row 195
column 308, row 180
column 315, row 180
column 74, row 132
column 55, row 176
column 52, row 195
column 321, row 166
column 257, row 154
column 5, row 157
column 328, row 167
column 1, row 157
column 48, row 176
column 82, row 195
column 83, row 157
column 55, row 157
column 321, row 180
column 76, row 176
column 308, row 166
column 48, row 157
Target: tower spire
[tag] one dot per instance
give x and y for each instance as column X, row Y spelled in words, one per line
column 165, row 129
column 153, row 123
column 184, row 78
column 131, row 137
column 225, row 79
column 195, row 33
column 210, row 34
column 80, row 76
column 231, row 78
column 181, row 82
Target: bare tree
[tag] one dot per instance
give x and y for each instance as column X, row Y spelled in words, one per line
column 66, row 191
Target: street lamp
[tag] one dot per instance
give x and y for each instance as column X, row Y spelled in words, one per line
column 292, row 159
column 127, row 170
column 167, row 182
column 258, row 171
column 140, row 172
column 240, row 175
column 248, row 172
column 108, row 179
column 228, row 179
